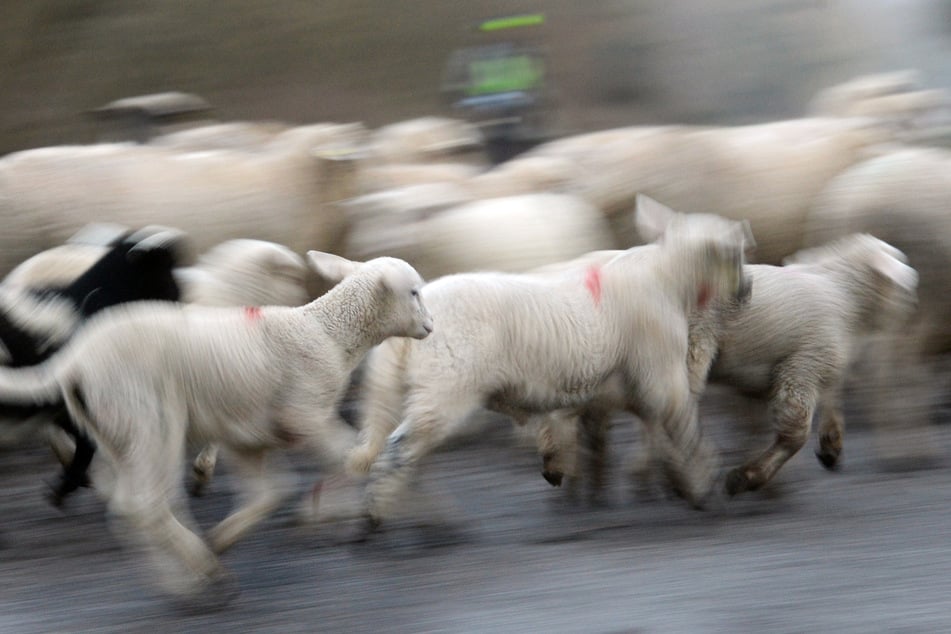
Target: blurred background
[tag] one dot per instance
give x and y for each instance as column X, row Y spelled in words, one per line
column 863, row 549
column 611, row 62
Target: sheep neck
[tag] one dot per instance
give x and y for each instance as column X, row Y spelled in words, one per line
column 351, row 316
column 684, row 271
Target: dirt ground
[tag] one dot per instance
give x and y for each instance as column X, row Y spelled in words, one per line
column 859, row 550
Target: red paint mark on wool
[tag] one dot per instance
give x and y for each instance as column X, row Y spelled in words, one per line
column 592, row 280
column 253, row 313
column 703, row 295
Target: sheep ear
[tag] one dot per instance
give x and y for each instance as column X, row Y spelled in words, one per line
column 895, row 271
column 330, row 267
column 104, row 234
column 749, row 242
column 651, row 218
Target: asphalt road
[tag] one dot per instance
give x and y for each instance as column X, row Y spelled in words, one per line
column 859, row 550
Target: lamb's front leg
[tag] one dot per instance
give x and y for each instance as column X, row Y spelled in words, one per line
column 791, row 409
column 423, row 430
column 667, row 408
column 263, row 493
column 203, row 468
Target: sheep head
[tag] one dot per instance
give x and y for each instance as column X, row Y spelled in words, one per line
column 397, row 290
column 721, row 245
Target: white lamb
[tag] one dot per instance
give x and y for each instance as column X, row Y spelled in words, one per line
column 439, row 232
column 525, row 344
column 239, row 272
column 280, row 193
column 142, row 379
column 790, row 344
column 766, row 173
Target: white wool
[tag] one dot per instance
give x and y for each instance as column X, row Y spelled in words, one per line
column 142, row 377
column 440, row 230
column 530, row 343
column 281, row 193
column 792, row 344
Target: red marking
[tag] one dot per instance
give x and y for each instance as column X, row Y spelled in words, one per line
column 253, row 313
column 703, row 295
column 592, row 280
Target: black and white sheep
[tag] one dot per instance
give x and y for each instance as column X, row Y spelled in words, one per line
column 34, row 324
column 240, row 272
column 143, row 378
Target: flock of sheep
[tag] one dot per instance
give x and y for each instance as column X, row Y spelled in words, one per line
column 393, row 267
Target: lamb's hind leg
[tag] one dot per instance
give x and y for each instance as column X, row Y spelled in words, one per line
column 831, row 430
column 262, row 494
column 146, row 499
column 791, row 409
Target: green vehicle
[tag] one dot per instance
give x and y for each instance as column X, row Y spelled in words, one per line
column 501, row 85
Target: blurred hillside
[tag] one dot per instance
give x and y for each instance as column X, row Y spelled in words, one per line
column 612, row 62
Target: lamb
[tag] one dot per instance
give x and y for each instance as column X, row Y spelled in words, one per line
column 33, row 325
column 792, row 344
column 279, row 194
column 240, row 272
column 438, row 230
column 614, row 335
column 896, row 98
column 767, row 173
column 901, row 197
column 232, row 135
column 424, row 139
column 141, row 379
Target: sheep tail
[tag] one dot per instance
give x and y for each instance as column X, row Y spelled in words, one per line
column 382, row 401
column 27, row 391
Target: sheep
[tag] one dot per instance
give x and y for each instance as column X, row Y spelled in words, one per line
column 767, row 173
column 902, row 198
column 791, row 344
column 523, row 344
column 235, row 135
column 240, row 272
column 279, row 194
column 33, row 325
column 141, row 379
column 896, row 98
column 423, row 139
column 438, row 230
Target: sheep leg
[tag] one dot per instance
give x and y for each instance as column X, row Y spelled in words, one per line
column 203, row 468
column 689, row 460
column 592, row 431
column 647, row 461
column 73, row 474
column 831, row 431
column 791, row 409
column 261, row 495
column 145, row 497
column 556, row 437
column 423, row 430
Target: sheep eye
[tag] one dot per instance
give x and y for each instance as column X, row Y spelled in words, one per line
column 414, row 293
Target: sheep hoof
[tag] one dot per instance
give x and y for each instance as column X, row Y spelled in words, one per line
column 553, row 478
column 829, row 459
column 215, row 594
column 737, row 482
column 371, row 525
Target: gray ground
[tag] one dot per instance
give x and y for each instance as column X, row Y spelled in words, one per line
column 859, row 550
